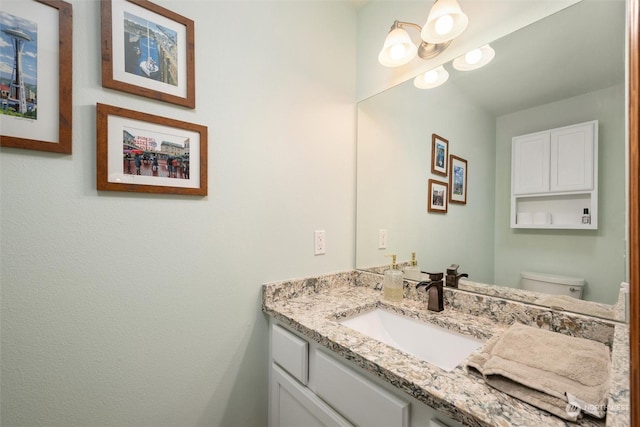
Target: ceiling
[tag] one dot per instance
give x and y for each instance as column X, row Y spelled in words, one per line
column 575, row 51
column 357, row 4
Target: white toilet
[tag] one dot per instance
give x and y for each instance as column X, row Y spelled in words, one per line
column 552, row 284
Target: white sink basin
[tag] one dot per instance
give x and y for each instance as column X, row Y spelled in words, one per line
column 431, row 343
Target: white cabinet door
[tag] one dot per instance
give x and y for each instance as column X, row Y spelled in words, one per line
column 293, row 405
column 530, row 163
column 572, row 157
column 354, row 396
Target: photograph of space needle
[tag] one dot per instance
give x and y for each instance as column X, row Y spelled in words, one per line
column 18, row 66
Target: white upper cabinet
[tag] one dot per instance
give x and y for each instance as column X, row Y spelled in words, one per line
column 572, row 157
column 554, row 178
column 530, row 164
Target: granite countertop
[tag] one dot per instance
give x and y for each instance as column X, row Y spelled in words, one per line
column 615, row 312
column 315, row 306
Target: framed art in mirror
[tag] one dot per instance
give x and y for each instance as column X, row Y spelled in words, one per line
column 143, row 153
column 36, row 108
column 148, row 50
column 439, row 155
column 437, row 196
column 457, row 180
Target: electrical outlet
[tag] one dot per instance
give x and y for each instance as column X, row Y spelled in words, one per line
column 320, row 242
column 382, row 239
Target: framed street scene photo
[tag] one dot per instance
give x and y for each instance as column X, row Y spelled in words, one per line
column 437, row 196
column 148, row 50
column 36, row 75
column 439, row 155
column 457, row 180
column 144, row 153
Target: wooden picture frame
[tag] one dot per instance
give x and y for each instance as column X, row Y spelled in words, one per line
column 439, row 155
column 143, row 153
column 148, row 50
column 438, row 192
column 36, row 113
column 457, row 180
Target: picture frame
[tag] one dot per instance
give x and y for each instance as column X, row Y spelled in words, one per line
column 439, row 155
column 141, row 152
column 438, row 192
column 36, row 111
column 457, row 180
column 148, row 50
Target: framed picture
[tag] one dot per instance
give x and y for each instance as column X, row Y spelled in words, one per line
column 36, row 60
column 148, row 50
column 437, row 196
column 439, row 155
column 149, row 154
column 457, row 180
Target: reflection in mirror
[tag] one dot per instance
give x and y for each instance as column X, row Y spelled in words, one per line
column 565, row 69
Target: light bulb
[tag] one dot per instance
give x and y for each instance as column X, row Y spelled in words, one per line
column 431, row 76
column 473, row 57
column 397, row 51
column 398, row 48
column 444, row 24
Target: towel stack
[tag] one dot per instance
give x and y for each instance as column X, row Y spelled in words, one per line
column 561, row 374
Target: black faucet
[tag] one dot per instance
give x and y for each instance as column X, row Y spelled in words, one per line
column 453, row 277
column 434, row 287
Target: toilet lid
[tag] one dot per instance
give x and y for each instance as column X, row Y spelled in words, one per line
column 553, row 278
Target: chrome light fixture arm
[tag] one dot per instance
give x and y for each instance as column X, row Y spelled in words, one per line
column 425, row 50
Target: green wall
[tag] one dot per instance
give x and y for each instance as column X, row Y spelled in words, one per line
column 598, row 256
column 394, row 166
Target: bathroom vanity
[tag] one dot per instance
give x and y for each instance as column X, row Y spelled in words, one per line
column 325, row 373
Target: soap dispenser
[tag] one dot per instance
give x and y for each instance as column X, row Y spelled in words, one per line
column 412, row 271
column 392, row 286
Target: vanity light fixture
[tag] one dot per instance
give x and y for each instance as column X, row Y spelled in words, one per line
column 445, row 22
column 474, row 59
column 399, row 49
column 432, row 78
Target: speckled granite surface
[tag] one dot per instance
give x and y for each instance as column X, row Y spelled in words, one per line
column 314, row 307
column 610, row 312
column 605, row 311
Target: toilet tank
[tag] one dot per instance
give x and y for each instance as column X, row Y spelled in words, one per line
column 552, row 284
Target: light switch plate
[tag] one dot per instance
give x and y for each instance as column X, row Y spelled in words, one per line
column 382, row 238
column 320, row 242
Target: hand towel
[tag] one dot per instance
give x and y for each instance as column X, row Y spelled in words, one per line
column 541, row 367
column 569, row 303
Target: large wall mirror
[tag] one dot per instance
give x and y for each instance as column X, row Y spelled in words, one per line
column 564, row 69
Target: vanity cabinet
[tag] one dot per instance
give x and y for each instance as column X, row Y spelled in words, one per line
column 311, row 386
column 293, row 405
column 554, row 178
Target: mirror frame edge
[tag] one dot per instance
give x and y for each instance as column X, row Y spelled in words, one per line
column 634, row 205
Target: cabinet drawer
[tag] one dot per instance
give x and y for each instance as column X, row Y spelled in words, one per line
column 358, row 399
column 290, row 352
